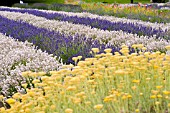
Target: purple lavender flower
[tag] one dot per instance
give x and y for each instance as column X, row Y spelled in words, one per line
column 97, row 23
column 50, row 41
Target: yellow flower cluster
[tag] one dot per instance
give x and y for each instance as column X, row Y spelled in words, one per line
column 138, row 82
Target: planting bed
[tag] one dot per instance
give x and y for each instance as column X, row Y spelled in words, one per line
column 67, row 62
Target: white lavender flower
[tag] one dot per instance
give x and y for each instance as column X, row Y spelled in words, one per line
column 16, row 57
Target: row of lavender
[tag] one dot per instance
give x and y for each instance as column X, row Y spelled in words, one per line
column 72, row 40
column 104, row 23
column 115, row 38
column 54, row 42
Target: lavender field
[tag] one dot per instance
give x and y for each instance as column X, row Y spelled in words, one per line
column 68, row 62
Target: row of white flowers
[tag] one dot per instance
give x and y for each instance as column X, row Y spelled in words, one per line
column 113, row 37
column 109, row 18
column 114, row 19
column 16, row 57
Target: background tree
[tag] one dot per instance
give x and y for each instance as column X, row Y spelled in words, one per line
column 8, row 2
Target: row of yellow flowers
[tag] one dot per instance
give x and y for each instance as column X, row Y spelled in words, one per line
column 149, row 11
column 120, row 83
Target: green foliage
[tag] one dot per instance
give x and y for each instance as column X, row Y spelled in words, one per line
column 44, row 1
column 54, row 1
column 65, row 7
column 117, row 1
column 18, row 63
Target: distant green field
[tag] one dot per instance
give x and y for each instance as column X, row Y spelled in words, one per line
column 62, row 1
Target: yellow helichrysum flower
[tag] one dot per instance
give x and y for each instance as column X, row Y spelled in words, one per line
column 87, row 102
column 71, row 88
column 136, row 110
column 93, row 92
column 79, row 57
column 167, row 57
column 144, row 48
column 168, row 104
column 108, row 54
column 75, row 59
column 68, row 110
column 81, row 63
column 98, row 107
column 107, row 99
column 133, row 87
column 80, row 94
column 166, row 92
column 153, row 96
column 2, row 109
column 91, row 81
column 10, row 101
column 16, row 95
column 157, row 103
column 77, row 100
column 148, row 79
column 44, row 78
column 31, row 93
column 35, row 81
column 47, row 88
column 25, row 85
column 53, row 72
column 41, row 99
column 124, row 97
column 40, row 112
column 124, row 50
column 140, row 46
column 33, row 74
column 129, row 96
column 141, row 94
column 159, row 87
column 27, row 110
column 41, row 73
column 120, row 72
column 134, row 54
column 147, row 53
column 95, row 50
column 108, row 50
column 124, row 46
column 155, row 92
column 75, row 80
column 117, row 53
column 136, row 81
column 168, row 47
column 134, row 46
column 52, row 107
column 1, row 97
column 26, row 73
column 159, row 96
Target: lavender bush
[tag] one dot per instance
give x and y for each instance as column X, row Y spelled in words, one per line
column 53, row 42
column 113, row 19
column 16, row 57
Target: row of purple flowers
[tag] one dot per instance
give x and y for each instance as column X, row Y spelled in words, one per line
column 97, row 23
column 65, row 46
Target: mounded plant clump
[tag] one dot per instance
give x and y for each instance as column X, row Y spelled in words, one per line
column 123, row 82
